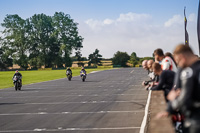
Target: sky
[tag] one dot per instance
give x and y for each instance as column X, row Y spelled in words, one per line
column 139, row 26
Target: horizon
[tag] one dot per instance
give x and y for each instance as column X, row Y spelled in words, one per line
column 118, row 25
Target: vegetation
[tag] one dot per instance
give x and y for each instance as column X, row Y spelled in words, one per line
column 40, row 40
column 95, row 58
column 120, row 58
column 48, row 41
column 134, row 60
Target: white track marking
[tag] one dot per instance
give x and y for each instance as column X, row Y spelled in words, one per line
column 78, row 95
column 143, row 125
column 132, row 71
column 70, row 113
column 86, row 102
column 45, row 89
column 94, row 72
column 69, row 129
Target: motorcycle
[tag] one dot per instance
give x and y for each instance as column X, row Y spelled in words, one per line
column 69, row 75
column 83, row 76
column 17, row 82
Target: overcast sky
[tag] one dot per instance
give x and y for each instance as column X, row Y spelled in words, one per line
column 129, row 26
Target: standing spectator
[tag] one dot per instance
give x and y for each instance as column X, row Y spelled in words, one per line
column 166, row 62
column 171, row 56
column 189, row 100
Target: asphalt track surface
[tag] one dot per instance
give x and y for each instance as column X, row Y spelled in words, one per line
column 110, row 101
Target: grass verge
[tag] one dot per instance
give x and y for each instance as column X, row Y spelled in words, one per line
column 38, row 76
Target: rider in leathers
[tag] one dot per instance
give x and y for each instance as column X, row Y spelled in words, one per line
column 188, row 102
column 17, row 73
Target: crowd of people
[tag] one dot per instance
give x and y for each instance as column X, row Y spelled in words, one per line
column 178, row 75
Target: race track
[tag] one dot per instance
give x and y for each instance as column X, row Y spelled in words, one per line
column 111, row 101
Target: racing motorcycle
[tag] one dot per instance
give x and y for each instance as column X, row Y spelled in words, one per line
column 83, row 76
column 69, row 75
column 17, row 82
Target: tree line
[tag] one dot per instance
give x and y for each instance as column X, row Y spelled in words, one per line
column 122, row 58
column 40, row 40
column 48, row 41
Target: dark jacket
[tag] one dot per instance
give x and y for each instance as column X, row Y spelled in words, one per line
column 189, row 100
column 166, row 82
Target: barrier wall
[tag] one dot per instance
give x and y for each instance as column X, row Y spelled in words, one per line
column 158, row 104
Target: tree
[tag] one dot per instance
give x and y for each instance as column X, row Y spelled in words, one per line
column 134, row 59
column 66, row 32
column 79, row 58
column 16, row 39
column 41, row 40
column 120, row 58
column 95, row 58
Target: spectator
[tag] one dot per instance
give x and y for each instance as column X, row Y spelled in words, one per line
column 171, row 56
column 189, row 100
column 166, row 79
column 149, row 67
column 166, row 62
column 144, row 65
column 153, row 78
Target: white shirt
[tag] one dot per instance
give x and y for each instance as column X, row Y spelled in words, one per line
column 168, row 64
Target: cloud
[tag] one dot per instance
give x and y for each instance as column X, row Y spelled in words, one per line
column 176, row 19
column 108, row 21
column 132, row 32
column 130, row 17
column 192, row 17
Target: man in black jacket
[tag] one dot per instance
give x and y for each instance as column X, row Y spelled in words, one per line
column 188, row 102
column 166, row 79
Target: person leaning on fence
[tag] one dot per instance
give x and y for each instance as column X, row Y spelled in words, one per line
column 144, row 65
column 166, row 79
column 153, row 78
column 166, row 62
column 188, row 102
column 149, row 66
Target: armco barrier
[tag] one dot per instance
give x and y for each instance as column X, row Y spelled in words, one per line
column 158, row 104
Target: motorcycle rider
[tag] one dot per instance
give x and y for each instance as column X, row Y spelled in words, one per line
column 69, row 70
column 17, row 73
column 83, row 71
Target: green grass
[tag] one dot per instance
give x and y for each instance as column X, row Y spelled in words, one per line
column 38, row 76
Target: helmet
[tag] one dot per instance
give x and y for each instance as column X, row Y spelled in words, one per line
column 82, row 68
column 68, row 68
column 16, row 71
